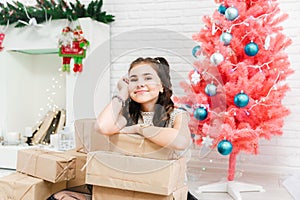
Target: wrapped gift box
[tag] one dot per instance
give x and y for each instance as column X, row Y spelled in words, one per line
column 23, row 187
column 80, row 170
column 109, row 169
column 137, row 145
column 105, row 193
column 87, row 138
column 48, row 165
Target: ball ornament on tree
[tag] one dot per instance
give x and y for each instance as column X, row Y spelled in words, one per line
column 231, row 13
column 251, row 49
column 241, row 99
column 195, row 50
column 211, row 89
column 200, row 113
column 222, row 9
column 224, row 147
column 226, row 38
column 216, row 58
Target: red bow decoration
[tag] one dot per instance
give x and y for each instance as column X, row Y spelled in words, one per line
column 2, row 35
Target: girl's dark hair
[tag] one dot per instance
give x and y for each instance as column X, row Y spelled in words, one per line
column 164, row 105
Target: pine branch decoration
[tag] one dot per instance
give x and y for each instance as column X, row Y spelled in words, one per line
column 50, row 9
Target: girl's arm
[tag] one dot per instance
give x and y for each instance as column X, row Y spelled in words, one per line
column 111, row 120
column 178, row 137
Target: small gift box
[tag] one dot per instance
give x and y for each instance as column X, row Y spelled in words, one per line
column 48, row 165
column 23, row 187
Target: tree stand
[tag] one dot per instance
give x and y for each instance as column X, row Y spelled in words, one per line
column 233, row 188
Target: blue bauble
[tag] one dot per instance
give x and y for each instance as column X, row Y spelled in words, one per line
column 251, row 49
column 224, row 147
column 211, row 89
column 231, row 13
column 222, row 9
column 241, row 100
column 200, row 113
column 195, row 50
column 226, row 38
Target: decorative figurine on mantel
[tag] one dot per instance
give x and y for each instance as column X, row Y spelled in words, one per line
column 72, row 44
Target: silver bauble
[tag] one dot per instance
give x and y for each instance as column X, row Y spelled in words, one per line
column 216, row 59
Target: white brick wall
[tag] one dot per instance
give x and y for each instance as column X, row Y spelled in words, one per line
column 175, row 21
column 184, row 18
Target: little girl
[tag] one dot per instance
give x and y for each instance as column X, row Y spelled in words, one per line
column 143, row 105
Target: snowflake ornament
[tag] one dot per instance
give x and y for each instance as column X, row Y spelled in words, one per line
column 207, row 141
column 195, row 78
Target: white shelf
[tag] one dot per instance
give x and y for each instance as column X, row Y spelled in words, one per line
column 8, row 155
column 26, row 77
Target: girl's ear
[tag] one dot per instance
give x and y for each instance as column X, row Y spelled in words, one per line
column 161, row 90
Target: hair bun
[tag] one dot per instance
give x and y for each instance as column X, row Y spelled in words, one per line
column 163, row 62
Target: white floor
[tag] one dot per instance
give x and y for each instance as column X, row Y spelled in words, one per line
column 272, row 184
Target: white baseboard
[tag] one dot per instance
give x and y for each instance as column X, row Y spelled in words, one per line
column 253, row 168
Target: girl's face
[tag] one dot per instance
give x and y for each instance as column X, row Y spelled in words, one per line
column 144, row 84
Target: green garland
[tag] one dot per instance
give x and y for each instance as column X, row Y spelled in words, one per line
column 44, row 10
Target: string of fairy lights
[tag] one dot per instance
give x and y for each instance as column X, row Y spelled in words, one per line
column 51, row 93
column 212, row 86
column 217, row 58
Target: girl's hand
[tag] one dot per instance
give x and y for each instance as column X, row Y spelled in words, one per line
column 131, row 129
column 123, row 87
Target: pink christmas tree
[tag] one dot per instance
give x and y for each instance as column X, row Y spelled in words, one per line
column 236, row 87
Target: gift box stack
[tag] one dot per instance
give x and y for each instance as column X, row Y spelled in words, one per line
column 122, row 166
column 136, row 168
column 39, row 173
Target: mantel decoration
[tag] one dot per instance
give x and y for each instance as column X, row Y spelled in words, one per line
column 46, row 10
column 237, row 83
column 72, row 44
column 2, row 35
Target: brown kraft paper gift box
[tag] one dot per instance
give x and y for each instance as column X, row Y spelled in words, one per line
column 19, row 186
column 137, row 145
column 48, row 165
column 109, row 169
column 105, row 193
column 79, row 179
column 87, row 138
